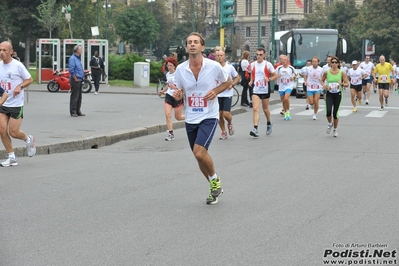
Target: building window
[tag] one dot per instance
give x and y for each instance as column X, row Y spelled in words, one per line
column 307, row 6
column 263, row 7
column 283, row 6
column 217, row 8
column 282, row 28
column 263, row 31
column 248, row 32
column 248, row 7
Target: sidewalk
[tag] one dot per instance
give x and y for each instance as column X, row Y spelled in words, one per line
column 115, row 114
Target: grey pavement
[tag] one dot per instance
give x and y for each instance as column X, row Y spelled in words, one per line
column 115, row 114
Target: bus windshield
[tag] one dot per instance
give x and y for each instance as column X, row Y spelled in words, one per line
column 307, row 45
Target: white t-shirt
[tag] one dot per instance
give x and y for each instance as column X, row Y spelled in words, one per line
column 356, row 75
column 259, row 83
column 326, row 67
column 244, row 64
column 209, row 77
column 231, row 71
column 284, row 82
column 368, row 67
column 313, row 78
column 12, row 75
column 170, row 80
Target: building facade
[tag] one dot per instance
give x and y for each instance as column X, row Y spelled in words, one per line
column 243, row 35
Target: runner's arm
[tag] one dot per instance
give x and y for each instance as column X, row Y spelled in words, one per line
column 212, row 94
column 3, row 98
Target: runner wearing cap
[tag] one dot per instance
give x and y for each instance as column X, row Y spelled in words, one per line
column 356, row 75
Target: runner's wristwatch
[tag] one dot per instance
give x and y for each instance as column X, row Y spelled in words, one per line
column 21, row 86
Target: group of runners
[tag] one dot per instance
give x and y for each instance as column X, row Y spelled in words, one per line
column 205, row 88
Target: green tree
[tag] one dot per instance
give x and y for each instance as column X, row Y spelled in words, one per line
column 137, row 26
column 375, row 23
column 49, row 16
column 194, row 13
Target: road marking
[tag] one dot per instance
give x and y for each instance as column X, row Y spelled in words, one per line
column 278, row 110
column 309, row 112
column 345, row 112
column 377, row 113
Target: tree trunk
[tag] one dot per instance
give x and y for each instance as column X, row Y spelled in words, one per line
column 27, row 48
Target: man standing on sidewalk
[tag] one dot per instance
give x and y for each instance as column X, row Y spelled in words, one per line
column 77, row 74
column 97, row 69
column 14, row 77
column 201, row 80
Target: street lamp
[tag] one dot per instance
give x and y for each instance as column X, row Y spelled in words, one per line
column 67, row 10
column 106, row 6
column 151, row 1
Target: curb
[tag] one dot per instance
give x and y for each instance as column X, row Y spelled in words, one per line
column 97, row 141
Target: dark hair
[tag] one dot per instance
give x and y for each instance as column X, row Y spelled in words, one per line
column 336, row 58
column 199, row 35
column 261, row 49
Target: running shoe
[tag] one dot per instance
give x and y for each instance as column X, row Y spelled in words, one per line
column 211, row 200
column 375, row 91
column 30, row 147
column 314, row 117
column 382, row 108
column 231, row 130
column 307, row 107
column 223, row 136
column 282, row 112
column 355, row 110
column 288, row 115
column 170, row 137
column 329, row 127
column 9, row 162
column 367, row 102
column 335, row 133
column 216, row 187
column 254, row 133
column 386, row 102
column 269, row 129
column 285, row 116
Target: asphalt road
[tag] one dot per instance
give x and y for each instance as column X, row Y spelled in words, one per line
column 290, row 198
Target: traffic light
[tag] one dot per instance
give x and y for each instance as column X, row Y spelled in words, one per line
column 226, row 12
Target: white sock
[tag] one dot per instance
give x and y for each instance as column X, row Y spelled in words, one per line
column 213, row 177
column 11, row 155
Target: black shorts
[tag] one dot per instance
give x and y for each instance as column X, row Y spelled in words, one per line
column 13, row 112
column 383, row 86
column 365, row 81
column 357, row 87
column 224, row 104
column 262, row 96
column 172, row 101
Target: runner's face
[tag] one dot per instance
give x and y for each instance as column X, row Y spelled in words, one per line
column 170, row 67
column 220, row 57
column 260, row 55
column 5, row 51
column 329, row 61
column 194, row 46
column 315, row 62
column 367, row 59
column 382, row 60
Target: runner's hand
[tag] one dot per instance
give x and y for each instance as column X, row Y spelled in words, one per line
column 210, row 95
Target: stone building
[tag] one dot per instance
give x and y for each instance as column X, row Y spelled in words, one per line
column 243, row 35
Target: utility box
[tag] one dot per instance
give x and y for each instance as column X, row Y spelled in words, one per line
column 142, row 74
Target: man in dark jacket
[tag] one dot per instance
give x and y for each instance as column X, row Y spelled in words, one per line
column 97, row 69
